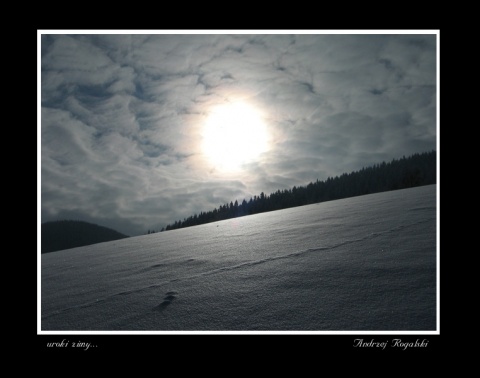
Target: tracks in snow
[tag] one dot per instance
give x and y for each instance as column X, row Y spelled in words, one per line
column 172, row 295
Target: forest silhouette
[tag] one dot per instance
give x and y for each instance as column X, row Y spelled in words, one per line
column 407, row 172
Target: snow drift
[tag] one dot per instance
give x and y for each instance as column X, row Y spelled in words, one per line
column 366, row 263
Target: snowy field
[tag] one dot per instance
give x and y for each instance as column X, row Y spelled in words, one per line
column 359, row 264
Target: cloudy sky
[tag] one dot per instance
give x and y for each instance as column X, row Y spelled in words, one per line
column 131, row 125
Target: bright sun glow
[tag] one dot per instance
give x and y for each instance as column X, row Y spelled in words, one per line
column 234, row 134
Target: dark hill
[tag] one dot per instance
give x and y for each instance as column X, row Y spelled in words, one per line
column 67, row 234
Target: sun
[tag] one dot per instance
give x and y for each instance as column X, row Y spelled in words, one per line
column 234, row 134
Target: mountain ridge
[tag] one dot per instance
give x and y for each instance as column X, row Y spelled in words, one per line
column 415, row 170
column 66, row 234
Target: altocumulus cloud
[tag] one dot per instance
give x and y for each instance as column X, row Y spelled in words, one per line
column 122, row 116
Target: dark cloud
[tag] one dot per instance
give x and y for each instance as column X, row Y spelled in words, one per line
column 122, row 116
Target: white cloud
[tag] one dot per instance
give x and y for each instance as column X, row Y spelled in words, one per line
column 122, row 116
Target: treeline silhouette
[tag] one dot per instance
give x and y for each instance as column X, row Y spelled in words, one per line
column 407, row 172
column 65, row 234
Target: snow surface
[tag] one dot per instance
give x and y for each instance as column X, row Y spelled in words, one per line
column 358, row 264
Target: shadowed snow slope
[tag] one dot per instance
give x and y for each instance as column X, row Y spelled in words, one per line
column 364, row 263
